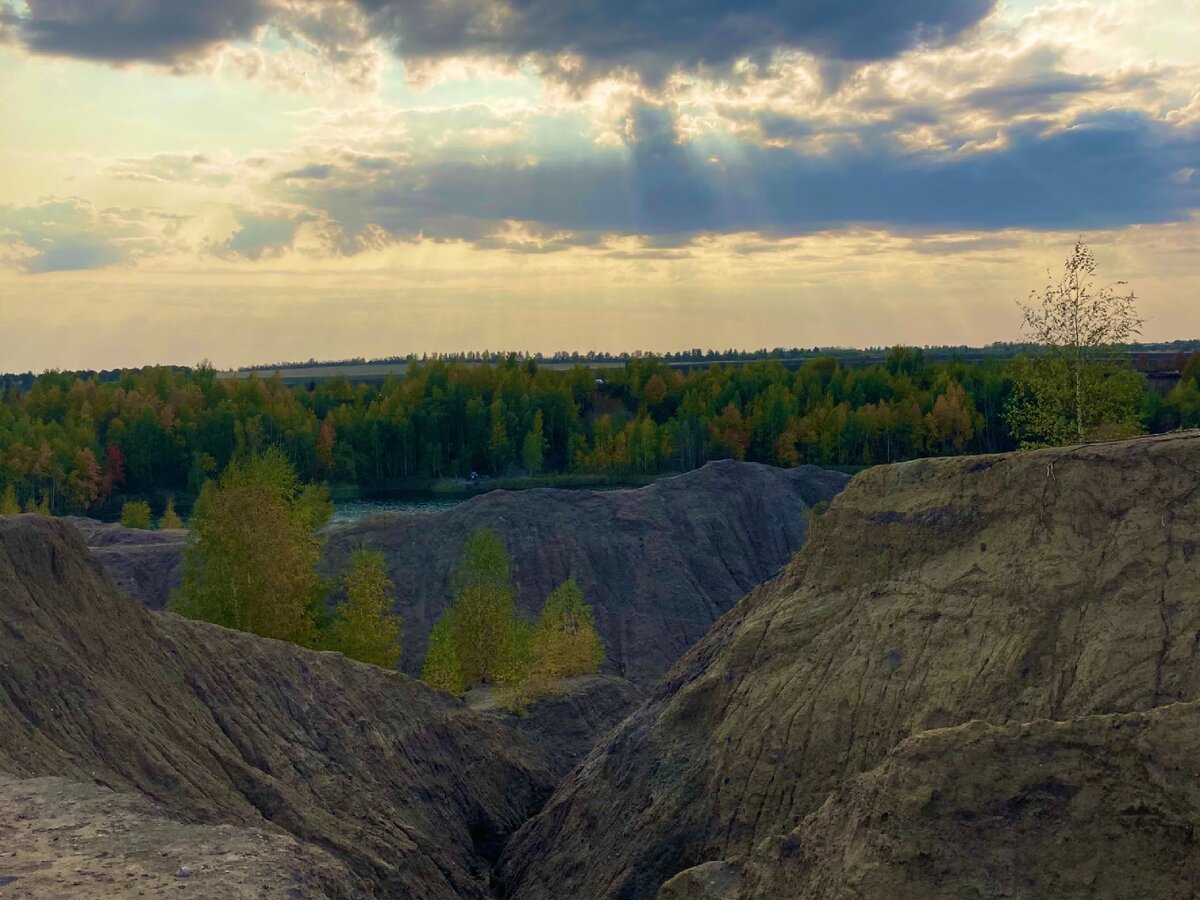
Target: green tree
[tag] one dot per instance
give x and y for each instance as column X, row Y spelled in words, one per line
column 363, row 626
column 483, row 607
column 251, row 558
column 135, row 514
column 441, row 669
column 1185, row 396
column 565, row 642
column 1068, row 392
column 8, row 502
column 480, row 638
column 534, row 448
column 170, row 518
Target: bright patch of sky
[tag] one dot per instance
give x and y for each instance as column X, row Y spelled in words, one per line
column 535, row 177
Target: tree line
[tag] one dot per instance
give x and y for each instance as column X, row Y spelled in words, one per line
column 73, row 444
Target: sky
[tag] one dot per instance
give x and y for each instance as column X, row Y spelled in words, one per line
column 251, row 181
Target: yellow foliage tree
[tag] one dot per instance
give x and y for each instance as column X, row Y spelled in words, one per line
column 479, row 638
column 363, row 625
column 170, row 518
column 8, row 502
column 953, row 420
column 251, row 558
column 565, row 641
column 441, row 669
column 135, row 514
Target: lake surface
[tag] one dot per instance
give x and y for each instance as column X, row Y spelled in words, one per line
column 353, row 510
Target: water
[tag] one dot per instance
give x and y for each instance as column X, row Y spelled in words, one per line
column 353, row 510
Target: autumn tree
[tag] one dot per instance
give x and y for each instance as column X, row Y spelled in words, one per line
column 251, row 558
column 480, row 636
column 135, row 514
column 8, row 502
column 85, row 481
column 363, row 625
column 953, row 420
column 565, row 641
column 534, row 448
column 1068, row 391
column 170, row 518
column 483, row 606
column 325, row 439
column 562, row 643
column 441, row 668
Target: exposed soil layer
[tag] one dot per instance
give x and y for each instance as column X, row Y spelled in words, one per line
column 567, row 723
column 411, row 791
column 1059, row 585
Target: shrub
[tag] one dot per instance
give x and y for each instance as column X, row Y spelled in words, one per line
column 135, row 514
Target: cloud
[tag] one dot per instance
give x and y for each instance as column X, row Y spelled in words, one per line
column 59, row 235
column 313, row 171
column 1105, row 170
column 260, row 235
column 577, row 39
column 159, row 31
column 582, row 37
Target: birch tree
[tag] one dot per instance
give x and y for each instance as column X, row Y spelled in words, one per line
column 1069, row 390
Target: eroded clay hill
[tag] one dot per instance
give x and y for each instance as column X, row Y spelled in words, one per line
column 658, row 564
column 1059, row 588
column 407, row 789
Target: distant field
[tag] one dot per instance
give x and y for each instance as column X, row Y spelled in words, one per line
column 377, row 371
column 1146, row 359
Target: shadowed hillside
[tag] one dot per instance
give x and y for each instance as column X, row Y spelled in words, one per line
column 1053, row 585
column 658, row 564
column 411, row 791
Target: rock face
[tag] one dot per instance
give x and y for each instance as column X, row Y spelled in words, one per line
column 568, row 723
column 407, row 788
column 1060, row 585
column 1099, row 806
column 658, row 564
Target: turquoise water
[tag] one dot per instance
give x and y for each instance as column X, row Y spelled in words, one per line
column 353, row 510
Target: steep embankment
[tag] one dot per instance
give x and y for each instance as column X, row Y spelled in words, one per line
column 1098, row 806
column 147, row 565
column 659, row 564
column 569, row 721
column 1051, row 585
column 411, row 791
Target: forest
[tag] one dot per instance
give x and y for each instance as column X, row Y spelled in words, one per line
column 74, row 442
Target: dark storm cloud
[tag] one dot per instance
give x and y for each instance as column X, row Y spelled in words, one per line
column 1105, row 171
column 653, row 37
column 160, row 31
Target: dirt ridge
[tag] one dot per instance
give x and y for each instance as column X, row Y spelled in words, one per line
column 1054, row 584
